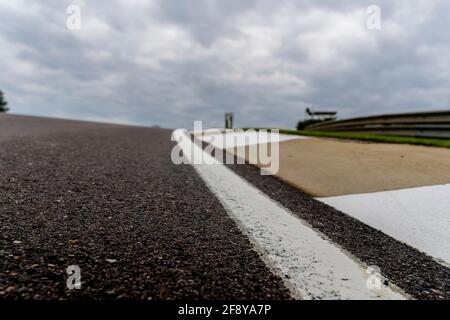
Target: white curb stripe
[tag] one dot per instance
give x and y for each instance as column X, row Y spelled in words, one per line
column 231, row 139
column 312, row 267
column 419, row 217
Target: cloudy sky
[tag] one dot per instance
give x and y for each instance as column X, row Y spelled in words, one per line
column 171, row 62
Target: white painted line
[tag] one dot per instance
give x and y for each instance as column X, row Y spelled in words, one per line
column 419, row 217
column 312, row 267
column 208, row 131
column 239, row 139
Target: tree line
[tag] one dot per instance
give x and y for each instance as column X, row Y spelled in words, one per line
column 3, row 103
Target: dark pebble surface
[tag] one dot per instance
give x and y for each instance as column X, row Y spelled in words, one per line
column 108, row 199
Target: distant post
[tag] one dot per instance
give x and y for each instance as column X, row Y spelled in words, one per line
column 228, row 120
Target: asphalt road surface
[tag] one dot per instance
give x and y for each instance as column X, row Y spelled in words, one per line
column 108, row 199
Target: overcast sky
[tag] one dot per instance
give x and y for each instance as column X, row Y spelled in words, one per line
column 171, row 62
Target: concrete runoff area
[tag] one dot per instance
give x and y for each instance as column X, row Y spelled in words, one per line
column 329, row 167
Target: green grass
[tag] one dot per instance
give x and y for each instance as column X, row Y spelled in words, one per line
column 371, row 137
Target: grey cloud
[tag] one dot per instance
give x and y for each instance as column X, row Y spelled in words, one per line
column 173, row 62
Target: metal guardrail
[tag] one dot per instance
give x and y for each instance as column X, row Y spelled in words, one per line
column 420, row 124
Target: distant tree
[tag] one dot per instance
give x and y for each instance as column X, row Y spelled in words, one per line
column 3, row 103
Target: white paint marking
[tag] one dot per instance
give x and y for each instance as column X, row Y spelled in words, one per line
column 232, row 139
column 312, row 267
column 419, row 217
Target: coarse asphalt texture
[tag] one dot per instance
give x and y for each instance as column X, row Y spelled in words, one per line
column 108, row 199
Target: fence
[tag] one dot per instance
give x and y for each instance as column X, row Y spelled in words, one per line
column 421, row 124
